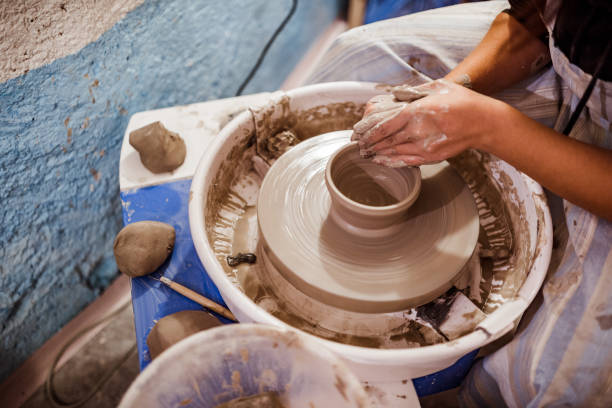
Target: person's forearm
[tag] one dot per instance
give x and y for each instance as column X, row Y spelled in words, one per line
column 507, row 54
column 576, row 171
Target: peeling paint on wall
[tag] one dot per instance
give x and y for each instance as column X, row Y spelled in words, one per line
column 37, row 32
column 61, row 126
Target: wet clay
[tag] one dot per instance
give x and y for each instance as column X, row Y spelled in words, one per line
column 275, row 119
column 160, row 150
column 281, row 142
column 408, row 93
column 382, row 108
column 453, row 313
column 418, row 130
column 366, row 199
column 502, row 226
column 362, row 181
column 264, row 400
column 364, row 259
column 175, row 327
column 369, row 192
column 231, row 227
column 142, row 247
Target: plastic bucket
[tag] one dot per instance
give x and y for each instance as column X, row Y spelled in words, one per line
column 228, row 362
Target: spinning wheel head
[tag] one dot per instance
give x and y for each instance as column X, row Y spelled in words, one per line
column 363, row 237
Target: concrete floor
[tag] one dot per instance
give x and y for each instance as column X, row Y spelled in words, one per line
column 75, row 378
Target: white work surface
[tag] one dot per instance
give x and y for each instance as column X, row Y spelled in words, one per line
column 197, row 124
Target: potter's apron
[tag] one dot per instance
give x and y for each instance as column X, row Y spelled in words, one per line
column 562, row 355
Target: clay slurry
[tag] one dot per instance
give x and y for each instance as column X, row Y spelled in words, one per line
column 160, row 150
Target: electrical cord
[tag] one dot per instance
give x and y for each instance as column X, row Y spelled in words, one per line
column 584, row 26
column 263, row 53
column 51, row 393
column 587, row 92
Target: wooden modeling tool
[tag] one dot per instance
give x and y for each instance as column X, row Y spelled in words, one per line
column 196, row 297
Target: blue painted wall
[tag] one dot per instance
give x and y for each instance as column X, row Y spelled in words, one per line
column 61, row 127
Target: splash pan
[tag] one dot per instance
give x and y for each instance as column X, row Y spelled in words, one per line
column 381, row 346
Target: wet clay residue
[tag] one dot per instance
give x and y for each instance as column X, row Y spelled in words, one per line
column 263, row 400
column 141, row 247
column 231, row 226
column 341, row 387
column 281, row 142
column 269, row 121
column 235, row 165
column 160, row 150
column 502, row 228
column 276, row 121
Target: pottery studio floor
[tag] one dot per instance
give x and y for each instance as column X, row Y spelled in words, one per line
column 92, row 361
column 80, row 374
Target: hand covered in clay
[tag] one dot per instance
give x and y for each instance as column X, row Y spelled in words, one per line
column 423, row 124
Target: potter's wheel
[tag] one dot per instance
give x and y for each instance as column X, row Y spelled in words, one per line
column 415, row 263
column 383, row 349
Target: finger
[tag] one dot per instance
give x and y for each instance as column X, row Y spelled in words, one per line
column 371, row 120
column 434, row 142
column 386, row 128
column 388, row 143
column 399, row 161
column 412, row 93
column 410, row 134
column 366, row 153
column 404, row 149
column 409, row 93
column 380, row 103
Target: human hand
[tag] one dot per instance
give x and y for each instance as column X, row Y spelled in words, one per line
column 424, row 124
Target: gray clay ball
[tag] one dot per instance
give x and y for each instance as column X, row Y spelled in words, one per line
column 142, row 247
column 175, row 327
column 160, row 149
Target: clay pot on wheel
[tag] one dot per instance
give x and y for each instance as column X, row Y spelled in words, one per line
column 368, row 199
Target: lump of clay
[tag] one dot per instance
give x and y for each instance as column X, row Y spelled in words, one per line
column 281, row 142
column 140, row 248
column 264, row 400
column 160, row 149
column 175, row 327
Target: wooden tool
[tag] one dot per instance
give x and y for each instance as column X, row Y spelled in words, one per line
column 196, row 297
